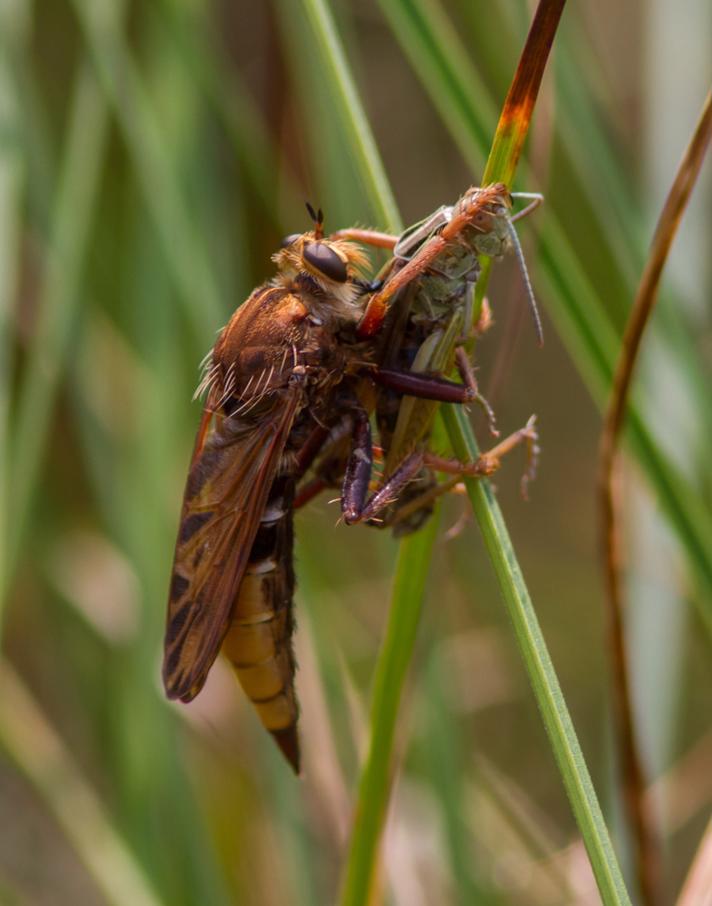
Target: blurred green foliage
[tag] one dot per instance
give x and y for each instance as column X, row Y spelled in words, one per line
column 151, row 158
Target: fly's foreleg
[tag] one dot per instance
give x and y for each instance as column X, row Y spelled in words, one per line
column 438, row 389
column 367, row 237
column 424, row 386
column 356, row 506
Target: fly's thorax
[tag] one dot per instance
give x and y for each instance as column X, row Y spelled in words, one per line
column 327, row 306
column 280, row 334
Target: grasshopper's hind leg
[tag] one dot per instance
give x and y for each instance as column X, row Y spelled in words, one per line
column 358, row 507
column 488, row 463
column 485, row 464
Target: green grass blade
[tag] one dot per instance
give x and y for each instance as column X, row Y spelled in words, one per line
column 396, row 652
column 540, row 669
column 501, row 166
column 73, row 210
column 185, row 253
column 373, row 789
column 12, row 172
column 354, row 121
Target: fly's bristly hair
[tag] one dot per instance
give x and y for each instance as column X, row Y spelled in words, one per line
column 327, row 301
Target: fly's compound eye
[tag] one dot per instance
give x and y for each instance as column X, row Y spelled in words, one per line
column 288, row 240
column 325, row 259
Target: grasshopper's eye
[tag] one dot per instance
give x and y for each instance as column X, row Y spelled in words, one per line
column 288, row 240
column 326, row 260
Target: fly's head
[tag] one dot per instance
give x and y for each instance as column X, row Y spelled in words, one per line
column 327, row 273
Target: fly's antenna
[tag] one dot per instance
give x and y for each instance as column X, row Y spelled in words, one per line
column 527, row 282
column 318, row 218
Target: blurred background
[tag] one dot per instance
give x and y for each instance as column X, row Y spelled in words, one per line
column 152, row 156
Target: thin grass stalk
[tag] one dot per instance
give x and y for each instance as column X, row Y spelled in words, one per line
column 414, row 555
column 640, row 819
column 540, row 670
column 360, row 866
column 355, row 123
column 40, row 755
column 13, row 33
column 501, row 165
column 183, row 245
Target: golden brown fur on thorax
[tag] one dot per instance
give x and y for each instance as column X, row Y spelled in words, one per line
column 289, row 322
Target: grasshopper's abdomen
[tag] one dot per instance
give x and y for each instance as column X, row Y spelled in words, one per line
column 259, row 640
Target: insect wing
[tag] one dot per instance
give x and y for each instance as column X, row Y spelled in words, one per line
column 232, row 470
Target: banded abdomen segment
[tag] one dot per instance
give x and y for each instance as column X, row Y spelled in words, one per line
column 259, row 640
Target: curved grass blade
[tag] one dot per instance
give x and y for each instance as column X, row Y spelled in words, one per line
column 647, row 856
column 501, row 165
column 414, row 557
column 353, row 116
column 374, row 787
column 542, row 676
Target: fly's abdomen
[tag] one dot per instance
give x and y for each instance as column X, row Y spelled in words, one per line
column 259, row 640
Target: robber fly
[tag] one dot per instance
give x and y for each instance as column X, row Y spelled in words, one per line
column 286, row 374
column 270, row 383
column 424, row 312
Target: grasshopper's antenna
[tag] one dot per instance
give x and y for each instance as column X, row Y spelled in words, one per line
column 527, row 282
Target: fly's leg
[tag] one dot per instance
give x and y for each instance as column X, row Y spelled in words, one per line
column 356, row 506
column 367, row 237
column 424, row 386
column 439, row 389
column 311, row 448
column 331, row 465
column 307, row 492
